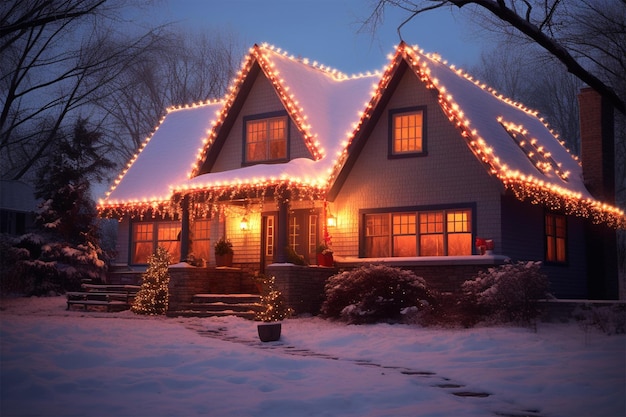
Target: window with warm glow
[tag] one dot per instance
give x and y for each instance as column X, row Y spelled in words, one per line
column 418, row 233
column 200, row 243
column 407, row 132
column 146, row 236
column 556, row 238
column 266, row 139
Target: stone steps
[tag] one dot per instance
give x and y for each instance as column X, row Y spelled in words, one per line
column 208, row 305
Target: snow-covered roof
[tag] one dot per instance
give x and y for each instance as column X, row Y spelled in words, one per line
column 328, row 108
column 166, row 158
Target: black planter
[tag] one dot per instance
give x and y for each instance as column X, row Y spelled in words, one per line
column 269, row 332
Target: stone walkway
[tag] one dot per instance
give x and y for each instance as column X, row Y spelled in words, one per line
column 437, row 381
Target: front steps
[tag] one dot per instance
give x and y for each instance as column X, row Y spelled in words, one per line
column 208, row 305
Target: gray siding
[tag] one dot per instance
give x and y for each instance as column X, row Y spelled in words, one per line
column 524, row 239
column 450, row 173
column 261, row 99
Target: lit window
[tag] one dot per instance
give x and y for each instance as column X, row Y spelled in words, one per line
column 143, row 245
column 266, row 139
column 147, row 236
column 407, row 132
column 418, row 233
column 556, row 238
column 200, row 244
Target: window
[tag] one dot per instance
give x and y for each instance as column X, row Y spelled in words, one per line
column 265, row 139
column 418, row 233
column 556, row 238
column 407, row 132
column 146, row 236
column 143, row 245
column 200, row 243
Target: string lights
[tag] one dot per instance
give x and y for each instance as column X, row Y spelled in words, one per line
column 206, row 195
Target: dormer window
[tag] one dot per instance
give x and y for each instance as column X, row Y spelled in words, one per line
column 265, row 138
column 407, row 132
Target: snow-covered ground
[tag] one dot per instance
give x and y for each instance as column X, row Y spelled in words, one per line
column 60, row 363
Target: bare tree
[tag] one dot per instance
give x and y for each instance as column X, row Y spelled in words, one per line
column 55, row 57
column 181, row 68
column 541, row 21
column 552, row 91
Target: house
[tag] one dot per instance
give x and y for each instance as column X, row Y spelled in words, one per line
column 17, row 207
column 410, row 166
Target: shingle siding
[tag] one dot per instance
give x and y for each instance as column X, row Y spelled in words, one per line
column 261, row 99
column 524, row 239
column 450, row 174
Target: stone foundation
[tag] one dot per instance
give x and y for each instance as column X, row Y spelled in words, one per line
column 302, row 286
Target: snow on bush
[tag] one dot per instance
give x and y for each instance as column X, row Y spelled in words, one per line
column 507, row 293
column 376, row 293
column 37, row 267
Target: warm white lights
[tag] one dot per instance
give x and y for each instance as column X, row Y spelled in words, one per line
column 315, row 185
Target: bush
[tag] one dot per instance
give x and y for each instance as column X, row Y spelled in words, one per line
column 610, row 319
column 376, row 293
column 506, row 293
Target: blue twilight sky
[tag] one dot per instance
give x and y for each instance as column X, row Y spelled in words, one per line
column 328, row 30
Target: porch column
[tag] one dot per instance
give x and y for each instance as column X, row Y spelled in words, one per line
column 184, row 230
column 283, row 231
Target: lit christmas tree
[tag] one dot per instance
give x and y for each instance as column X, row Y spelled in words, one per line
column 272, row 299
column 152, row 297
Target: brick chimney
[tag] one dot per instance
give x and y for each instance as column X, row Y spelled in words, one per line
column 597, row 144
column 597, row 149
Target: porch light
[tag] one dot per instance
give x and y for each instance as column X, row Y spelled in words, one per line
column 243, row 225
column 331, row 221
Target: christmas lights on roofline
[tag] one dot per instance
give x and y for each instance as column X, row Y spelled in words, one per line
column 524, row 187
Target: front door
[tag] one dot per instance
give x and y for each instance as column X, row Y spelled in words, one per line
column 303, row 235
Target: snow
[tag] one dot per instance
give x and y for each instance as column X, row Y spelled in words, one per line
column 72, row 363
column 167, row 157
column 332, row 104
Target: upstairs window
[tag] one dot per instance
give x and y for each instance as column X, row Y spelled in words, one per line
column 407, row 127
column 265, row 139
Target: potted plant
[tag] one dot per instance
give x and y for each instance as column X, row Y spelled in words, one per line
column 324, row 255
column 274, row 309
column 224, row 252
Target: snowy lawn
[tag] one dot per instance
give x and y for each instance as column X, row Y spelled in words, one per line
column 58, row 363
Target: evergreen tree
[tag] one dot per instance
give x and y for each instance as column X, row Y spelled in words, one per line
column 275, row 307
column 64, row 251
column 152, row 297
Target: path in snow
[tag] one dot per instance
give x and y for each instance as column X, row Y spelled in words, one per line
column 457, row 389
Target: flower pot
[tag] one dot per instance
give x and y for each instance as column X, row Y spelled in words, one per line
column 269, row 332
column 224, row 260
column 325, row 259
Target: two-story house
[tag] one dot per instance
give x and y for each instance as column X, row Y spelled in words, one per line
column 407, row 166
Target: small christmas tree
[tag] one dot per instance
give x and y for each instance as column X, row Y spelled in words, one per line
column 152, row 297
column 272, row 299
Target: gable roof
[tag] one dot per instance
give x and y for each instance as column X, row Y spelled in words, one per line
column 331, row 110
column 322, row 102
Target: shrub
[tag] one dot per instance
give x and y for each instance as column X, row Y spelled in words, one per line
column 507, row 293
column 610, row 319
column 375, row 293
